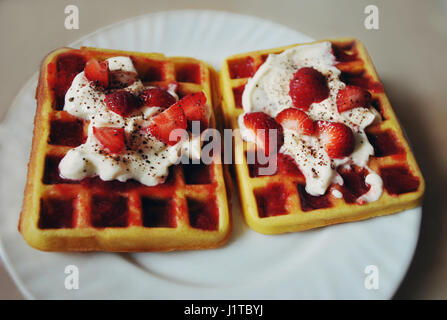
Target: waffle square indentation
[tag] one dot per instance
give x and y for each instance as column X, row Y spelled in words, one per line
column 271, row 200
column 56, row 213
column 158, row 213
column 203, row 214
column 309, row 202
column 109, row 211
column 398, row 180
column 66, row 133
column 241, row 68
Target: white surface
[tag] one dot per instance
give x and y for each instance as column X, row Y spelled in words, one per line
column 323, row 264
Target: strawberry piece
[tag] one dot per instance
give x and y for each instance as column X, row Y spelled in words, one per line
column 163, row 124
column 157, row 97
column 337, row 138
column 111, row 139
column 122, row 102
column 352, row 97
column 306, row 87
column 262, row 126
column 97, row 72
column 297, row 120
column 195, row 108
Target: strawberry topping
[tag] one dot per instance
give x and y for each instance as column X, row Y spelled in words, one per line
column 352, row 97
column 164, row 123
column 122, row 102
column 337, row 138
column 297, row 120
column 157, row 97
column 195, row 108
column 265, row 128
column 111, row 139
column 306, row 87
column 97, row 72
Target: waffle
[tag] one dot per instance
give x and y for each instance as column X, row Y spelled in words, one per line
column 279, row 203
column 188, row 211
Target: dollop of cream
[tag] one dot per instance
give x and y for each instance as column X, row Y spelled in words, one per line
column 268, row 91
column 146, row 159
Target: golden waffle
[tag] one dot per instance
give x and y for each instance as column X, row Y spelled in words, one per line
column 279, row 203
column 188, row 211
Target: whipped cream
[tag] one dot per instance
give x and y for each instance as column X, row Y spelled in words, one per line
column 268, row 91
column 145, row 159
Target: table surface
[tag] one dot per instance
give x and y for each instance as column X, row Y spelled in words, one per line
column 408, row 50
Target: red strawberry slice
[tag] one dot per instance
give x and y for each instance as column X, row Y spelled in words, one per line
column 195, row 108
column 337, row 138
column 111, row 139
column 306, row 87
column 164, row 123
column 263, row 126
column 352, row 97
column 157, row 97
column 297, row 120
column 122, row 102
column 97, row 72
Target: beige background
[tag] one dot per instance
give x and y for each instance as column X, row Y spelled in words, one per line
column 409, row 51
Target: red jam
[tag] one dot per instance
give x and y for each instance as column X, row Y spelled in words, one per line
column 285, row 165
column 344, row 53
column 155, row 71
column 109, row 211
column 254, row 165
column 188, row 73
column 398, row 180
column 67, row 133
column 112, row 186
column 158, row 213
column 51, row 171
column 197, row 173
column 265, row 56
column 360, row 79
column 203, row 215
column 385, row 144
column 242, row 68
column 56, row 213
column 67, row 67
column 237, row 92
column 271, row 200
column 353, row 183
column 375, row 103
column 309, row 202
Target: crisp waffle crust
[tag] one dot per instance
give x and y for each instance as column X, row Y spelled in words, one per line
column 278, row 203
column 189, row 211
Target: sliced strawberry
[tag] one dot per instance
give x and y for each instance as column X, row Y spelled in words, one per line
column 297, row 120
column 352, row 97
column 306, row 87
column 263, row 126
column 337, row 138
column 195, row 108
column 157, row 97
column 164, row 123
column 111, row 139
column 122, row 102
column 97, row 72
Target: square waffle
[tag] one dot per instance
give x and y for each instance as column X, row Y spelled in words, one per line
column 188, row 211
column 278, row 203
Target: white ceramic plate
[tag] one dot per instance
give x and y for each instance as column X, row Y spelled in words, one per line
column 322, row 264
